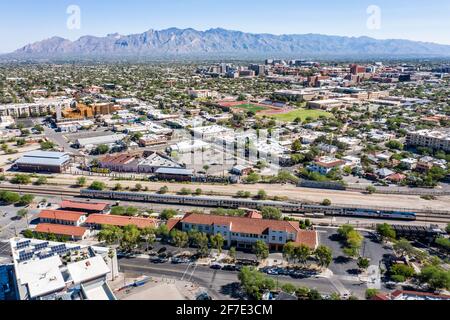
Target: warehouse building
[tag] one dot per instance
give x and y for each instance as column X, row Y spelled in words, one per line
column 43, row 161
column 95, row 141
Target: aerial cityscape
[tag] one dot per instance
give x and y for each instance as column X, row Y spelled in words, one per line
column 188, row 165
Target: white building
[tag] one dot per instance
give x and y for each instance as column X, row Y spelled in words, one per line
column 439, row 140
column 190, row 146
column 61, row 271
column 324, row 165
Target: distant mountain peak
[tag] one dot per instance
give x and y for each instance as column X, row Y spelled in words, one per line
column 222, row 42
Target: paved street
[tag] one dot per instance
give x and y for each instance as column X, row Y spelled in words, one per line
column 222, row 284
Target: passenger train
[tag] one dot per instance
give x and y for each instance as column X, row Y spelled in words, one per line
column 230, row 203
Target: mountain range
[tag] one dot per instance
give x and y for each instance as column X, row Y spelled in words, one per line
column 176, row 42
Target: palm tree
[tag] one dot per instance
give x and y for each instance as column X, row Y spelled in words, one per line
column 23, row 213
column 149, row 235
column 111, row 255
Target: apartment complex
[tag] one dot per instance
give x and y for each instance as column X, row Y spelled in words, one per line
column 438, row 140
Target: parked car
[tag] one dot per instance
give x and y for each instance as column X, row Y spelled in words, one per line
column 159, row 260
column 229, row 267
column 180, row 260
column 216, row 266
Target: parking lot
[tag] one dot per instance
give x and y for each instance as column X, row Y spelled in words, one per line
column 343, row 266
column 11, row 225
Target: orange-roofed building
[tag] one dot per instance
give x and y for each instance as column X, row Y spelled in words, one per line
column 71, row 218
column 172, row 223
column 88, row 207
column 96, row 221
column 74, row 233
column 243, row 232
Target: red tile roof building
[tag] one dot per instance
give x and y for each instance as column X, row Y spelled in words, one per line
column 98, row 220
column 75, row 233
column 89, row 207
column 62, row 217
column 243, row 232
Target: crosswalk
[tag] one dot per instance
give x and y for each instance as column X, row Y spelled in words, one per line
column 337, row 284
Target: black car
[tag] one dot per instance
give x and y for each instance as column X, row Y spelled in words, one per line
column 159, row 260
column 229, row 268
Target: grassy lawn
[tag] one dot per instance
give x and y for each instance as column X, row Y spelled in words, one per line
column 301, row 113
column 250, row 107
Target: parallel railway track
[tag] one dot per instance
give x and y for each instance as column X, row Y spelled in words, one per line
column 422, row 215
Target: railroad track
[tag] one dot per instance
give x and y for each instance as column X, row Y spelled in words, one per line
column 422, row 216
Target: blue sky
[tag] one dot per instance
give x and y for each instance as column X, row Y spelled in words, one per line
column 26, row 21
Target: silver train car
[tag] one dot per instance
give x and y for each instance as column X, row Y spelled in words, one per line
column 229, row 203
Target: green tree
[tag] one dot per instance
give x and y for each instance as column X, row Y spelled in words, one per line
column 326, row 202
column 41, row 181
column 148, row 234
column 130, row 238
column 371, row 190
column 232, row 253
column 403, row 247
column 344, row 230
column 112, row 235
column 255, row 283
column 21, row 179
column 118, row 187
column 394, row 145
column 401, row 272
column 370, row 293
column 10, row 197
column 23, row 213
column 217, row 242
column 436, row 277
column 202, row 242
column 102, row 149
column 167, row 214
column 138, row 187
column 28, row 234
column 354, row 241
column 443, row 243
column 262, row 195
column 261, row 250
column 271, row 213
column 289, row 288
column 179, row 238
column 26, row 200
column 253, row 178
column 47, row 145
column 302, row 253
column 313, row 294
column 325, row 255
column 289, row 251
column 386, row 232
column 97, row 185
column 363, row 263
column 185, row 192
column 81, row 182
column 163, row 190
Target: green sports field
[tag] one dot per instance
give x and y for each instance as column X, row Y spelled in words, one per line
column 302, row 114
